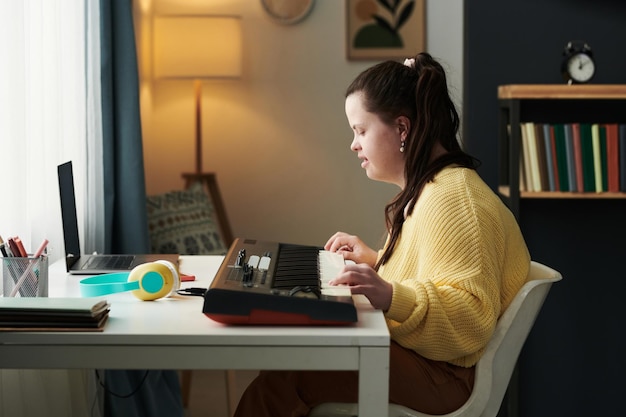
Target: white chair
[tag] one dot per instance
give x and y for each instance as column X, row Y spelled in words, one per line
column 495, row 367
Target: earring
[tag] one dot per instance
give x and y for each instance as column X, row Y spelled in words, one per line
column 402, row 146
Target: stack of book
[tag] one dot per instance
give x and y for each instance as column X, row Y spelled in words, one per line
column 53, row 314
column 573, row 157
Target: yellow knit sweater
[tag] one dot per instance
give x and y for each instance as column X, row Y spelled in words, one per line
column 459, row 262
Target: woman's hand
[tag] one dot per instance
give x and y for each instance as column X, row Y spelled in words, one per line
column 362, row 279
column 352, row 248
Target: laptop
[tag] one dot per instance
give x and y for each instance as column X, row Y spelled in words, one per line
column 77, row 263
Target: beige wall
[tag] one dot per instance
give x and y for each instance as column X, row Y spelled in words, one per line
column 278, row 138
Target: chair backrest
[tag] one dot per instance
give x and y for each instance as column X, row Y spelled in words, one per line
column 496, row 366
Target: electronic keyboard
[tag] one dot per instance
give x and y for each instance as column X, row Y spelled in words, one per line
column 261, row 282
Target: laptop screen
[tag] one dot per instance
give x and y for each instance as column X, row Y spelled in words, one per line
column 68, row 213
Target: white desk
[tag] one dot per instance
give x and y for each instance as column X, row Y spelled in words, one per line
column 172, row 333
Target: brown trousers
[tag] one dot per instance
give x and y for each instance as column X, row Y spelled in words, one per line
column 416, row 382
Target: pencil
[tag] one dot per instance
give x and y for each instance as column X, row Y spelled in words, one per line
column 2, row 248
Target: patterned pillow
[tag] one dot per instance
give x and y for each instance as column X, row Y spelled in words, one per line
column 184, row 222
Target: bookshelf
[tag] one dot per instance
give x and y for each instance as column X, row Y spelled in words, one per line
column 551, row 103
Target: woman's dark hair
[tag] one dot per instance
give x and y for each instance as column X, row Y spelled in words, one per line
column 420, row 93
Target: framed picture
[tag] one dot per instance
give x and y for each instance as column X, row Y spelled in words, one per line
column 385, row 29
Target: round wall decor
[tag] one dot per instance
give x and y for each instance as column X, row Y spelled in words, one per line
column 287, row 12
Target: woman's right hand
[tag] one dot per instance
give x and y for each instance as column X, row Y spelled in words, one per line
column 352, row 248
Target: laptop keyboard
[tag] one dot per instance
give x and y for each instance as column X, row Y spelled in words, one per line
column 109, row 262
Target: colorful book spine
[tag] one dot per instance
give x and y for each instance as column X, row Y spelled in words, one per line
column 612, row 156
column 578, row 157
column 622, row 157
column 597, row 157
column 604, row 159
column 534, row 156
column 541, row 157
column 571, row 163
column 587, row 153
column 559, row 138
column 547, row 143
column 557, row 184
column 526, row 158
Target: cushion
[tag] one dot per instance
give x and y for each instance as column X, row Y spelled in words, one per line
column 184, row 222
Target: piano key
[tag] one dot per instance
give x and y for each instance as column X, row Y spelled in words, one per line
column 337, row 291
column 330, row 265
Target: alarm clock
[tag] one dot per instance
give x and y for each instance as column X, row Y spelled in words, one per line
column 578, row 66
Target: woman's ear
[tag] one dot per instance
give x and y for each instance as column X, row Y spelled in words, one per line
column 404, row 126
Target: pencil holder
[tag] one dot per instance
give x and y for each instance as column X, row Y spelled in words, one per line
column 25, row 277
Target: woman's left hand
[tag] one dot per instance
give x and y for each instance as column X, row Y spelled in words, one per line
column 363, row 279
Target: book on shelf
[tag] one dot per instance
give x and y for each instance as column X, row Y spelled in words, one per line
column 522, row 176
column 533, row 153
column 578, row 156
column 571, row 161
column 587, row 154
column 559, row 138
column 550, row 160
column 603, row 159
column 555, row 167
column 525, row 157
column 622, row 157
column 541, row 157
column 534, row 156
column 53, row 314
column 597, row 157
column 612, row 157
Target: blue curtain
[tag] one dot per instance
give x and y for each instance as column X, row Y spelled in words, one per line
column 126, row 225
column 128, row 393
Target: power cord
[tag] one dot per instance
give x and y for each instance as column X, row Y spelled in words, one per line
column 133, row 392
column 193, row 291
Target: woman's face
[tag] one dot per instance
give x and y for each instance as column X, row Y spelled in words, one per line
column 376, row 143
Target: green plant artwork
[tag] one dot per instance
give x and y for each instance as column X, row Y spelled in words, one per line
column 384, row 31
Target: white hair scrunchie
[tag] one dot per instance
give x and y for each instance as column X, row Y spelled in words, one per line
column 410, row 62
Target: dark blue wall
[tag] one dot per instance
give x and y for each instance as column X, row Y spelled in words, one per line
column 574, row 361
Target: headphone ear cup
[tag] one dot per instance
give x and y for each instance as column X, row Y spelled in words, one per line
column 175, row 275
column 156, row 280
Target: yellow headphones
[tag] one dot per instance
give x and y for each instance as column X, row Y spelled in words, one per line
column 148, row 281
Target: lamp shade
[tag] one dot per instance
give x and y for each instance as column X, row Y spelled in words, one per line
column 197, row 47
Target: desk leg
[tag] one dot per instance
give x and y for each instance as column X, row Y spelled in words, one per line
column 374, row 382
column 185, row 386
column 231, row 391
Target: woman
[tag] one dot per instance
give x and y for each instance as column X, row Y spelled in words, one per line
column 453, row 260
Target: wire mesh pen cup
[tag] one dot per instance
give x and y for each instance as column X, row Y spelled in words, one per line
column 25, row 277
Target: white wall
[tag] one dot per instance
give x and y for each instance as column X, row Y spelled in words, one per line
column 278, row 138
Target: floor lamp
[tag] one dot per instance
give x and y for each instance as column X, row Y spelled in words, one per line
column 199, row 47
